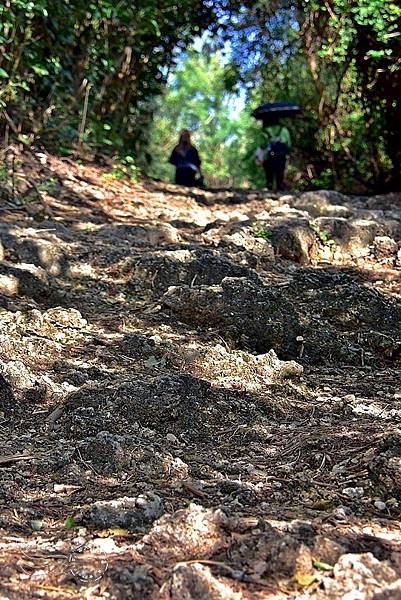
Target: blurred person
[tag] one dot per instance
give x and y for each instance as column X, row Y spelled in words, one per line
column 185, row 158
column 272, row 154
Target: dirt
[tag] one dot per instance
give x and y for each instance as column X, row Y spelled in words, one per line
column 200, row 391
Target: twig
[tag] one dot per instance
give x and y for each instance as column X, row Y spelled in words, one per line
column 4, row 460
column 235, row 573
column 86, row 463
column 82, row 125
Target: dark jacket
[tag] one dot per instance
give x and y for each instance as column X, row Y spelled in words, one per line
column 186, row 166
column 191, row 157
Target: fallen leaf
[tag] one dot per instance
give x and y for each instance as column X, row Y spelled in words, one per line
column 5, row 460
column 322, row 566
column 322, row 504
column 303, row 579
column 36, row 524
column 69, row 523
column 112, row 531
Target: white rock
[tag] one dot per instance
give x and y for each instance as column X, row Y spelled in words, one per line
column 356, row 492
column 103, row 546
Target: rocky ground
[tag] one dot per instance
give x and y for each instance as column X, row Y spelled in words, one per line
column 200, row 391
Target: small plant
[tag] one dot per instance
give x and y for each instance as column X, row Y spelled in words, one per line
column 3, row 173
column 323, row 235
column 325, row 180
column 69, row 523
column 124, row 167
column 49, row 186
column 260, row 232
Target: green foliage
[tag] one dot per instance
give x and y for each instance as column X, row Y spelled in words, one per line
column 322, row 566
column 84, row 74
column 323, row 235
column 339, row 60
column 260, row 231
column 197, row 98
column 70, row 523
column 50, row 186
column 124, row 167
column 3, row 173
column 87, row 76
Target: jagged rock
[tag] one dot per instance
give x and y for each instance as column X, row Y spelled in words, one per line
column 327, row 550
column 24, row 384
column 327, row 320
column 354, row 236
column 43, row 253
column 358, row 576
column 385, row 465
column 385, row 247
column 152, row 234
column 18, row 375
column 323, row 203
column 286, row 212
column 242, row 244
column 246, row 310
column 234, row 368
column 194, row 532
column 25, row 279
column 190, row 582
column 251, row 242
column 295, row 241
column 188, row 267
column 135, row 514
column 66, row 317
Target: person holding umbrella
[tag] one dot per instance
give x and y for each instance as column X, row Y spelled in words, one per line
column 277, row 141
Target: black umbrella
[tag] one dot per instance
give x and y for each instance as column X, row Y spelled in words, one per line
column 276, row 110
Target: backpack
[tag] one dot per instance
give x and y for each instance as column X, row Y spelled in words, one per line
column 276, row 148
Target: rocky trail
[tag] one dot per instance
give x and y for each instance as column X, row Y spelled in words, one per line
column 200, row 391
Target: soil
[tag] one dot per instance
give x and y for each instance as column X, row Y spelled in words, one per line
column 200, row 390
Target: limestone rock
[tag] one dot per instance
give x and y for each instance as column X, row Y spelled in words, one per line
column 152, row 234
column 128, row 513
column 295, row 241
column 385, row 247
column 194, row 532
column 188, row 582
column 358, row 576
column 321, row 202
column 25, row 279
column 241, row 306
column 385, row 465
column 188, row 267
column 43, row 253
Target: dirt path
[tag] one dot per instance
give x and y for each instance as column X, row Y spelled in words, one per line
column 200, row 392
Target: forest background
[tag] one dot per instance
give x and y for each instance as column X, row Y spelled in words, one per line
column 119, row 79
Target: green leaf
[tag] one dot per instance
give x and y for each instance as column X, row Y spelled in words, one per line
column 36, row 524
column 39, row 70
column 69, row 523
column 3, row 73
column 322, row 566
